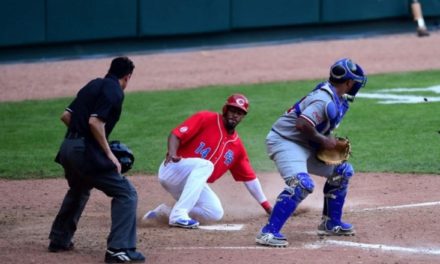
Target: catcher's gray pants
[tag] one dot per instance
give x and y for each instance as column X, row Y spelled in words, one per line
column 291, row 158
column 123, row 205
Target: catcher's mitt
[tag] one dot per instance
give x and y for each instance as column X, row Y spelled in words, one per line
column 337, row 155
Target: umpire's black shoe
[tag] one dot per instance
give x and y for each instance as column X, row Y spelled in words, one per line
column 123, row 256
column 53, row 247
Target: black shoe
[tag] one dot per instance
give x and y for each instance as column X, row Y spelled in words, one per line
column 123, row 256
column 53, row 247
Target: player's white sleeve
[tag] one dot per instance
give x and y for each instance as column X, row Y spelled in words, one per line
column 254, row 187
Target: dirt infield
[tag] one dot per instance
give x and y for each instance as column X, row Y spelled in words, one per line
column 396, row 216
column 387, row 235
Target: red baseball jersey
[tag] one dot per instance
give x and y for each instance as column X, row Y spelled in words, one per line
column 203, row 135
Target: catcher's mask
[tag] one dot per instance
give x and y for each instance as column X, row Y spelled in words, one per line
column 237, row 100
column 346, row 69
column 123, row 154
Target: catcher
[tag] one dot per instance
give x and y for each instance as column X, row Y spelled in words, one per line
column 300, row 142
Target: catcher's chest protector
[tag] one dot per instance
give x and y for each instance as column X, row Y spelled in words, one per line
column 336, row 109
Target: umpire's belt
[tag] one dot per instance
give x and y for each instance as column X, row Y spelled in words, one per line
column 74, row 135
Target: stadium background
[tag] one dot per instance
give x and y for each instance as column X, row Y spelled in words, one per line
column 27, row 207
column 50, row 28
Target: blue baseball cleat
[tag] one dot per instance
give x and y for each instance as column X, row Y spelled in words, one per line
column 185, row 223
column 329, row 227
column 271, row 240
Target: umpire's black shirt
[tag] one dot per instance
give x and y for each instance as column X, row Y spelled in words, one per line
column 101, row 98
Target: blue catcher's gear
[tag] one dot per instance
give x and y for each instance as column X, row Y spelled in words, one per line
column 346, row 69
column 335, row 110
column 335, row 191
column 297, row 190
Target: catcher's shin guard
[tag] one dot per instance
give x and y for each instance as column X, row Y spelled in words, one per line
column 299, row 187
column 335, row 191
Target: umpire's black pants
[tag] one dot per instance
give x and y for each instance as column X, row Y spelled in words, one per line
column 123, row 207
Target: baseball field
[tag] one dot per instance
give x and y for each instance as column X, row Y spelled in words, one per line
column 393, row 200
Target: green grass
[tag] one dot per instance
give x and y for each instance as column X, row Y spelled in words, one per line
column 386, row 138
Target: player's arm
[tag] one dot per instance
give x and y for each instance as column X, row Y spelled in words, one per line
column 243, row 171
column 254, row 188
column 181, row 134
column 97, row 127
column 173, row 146
column 307, row 129
column 65, row 118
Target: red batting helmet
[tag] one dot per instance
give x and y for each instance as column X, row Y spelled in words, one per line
column 237, row 100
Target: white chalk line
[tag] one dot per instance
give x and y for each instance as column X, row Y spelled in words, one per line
column 223, row 227
column 425, row 251
column 238, row 227
column 230, row 248
column 325, row 243
column 392, row 96
column 395, row 207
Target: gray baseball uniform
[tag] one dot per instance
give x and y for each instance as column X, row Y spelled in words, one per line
column 298, row 153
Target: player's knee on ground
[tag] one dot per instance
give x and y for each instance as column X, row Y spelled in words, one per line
column 207, row 215
column 217, row 214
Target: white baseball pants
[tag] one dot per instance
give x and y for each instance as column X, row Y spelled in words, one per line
column 186, row 182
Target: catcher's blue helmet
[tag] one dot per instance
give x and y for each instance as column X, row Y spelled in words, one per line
column 346, row 69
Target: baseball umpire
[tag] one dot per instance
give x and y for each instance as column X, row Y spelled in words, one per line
column 88, row 162
column 295, row 139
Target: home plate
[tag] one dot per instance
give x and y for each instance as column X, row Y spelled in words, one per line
column 225, row 227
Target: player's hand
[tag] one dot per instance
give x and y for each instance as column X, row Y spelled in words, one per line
column 267, row 207
column 268, row 210
column 172, row 158
column 329, row 142
column 115, row 160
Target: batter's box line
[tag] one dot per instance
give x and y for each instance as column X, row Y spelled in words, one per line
column 411, row 250
column 322, row 244
column 233, row 248
column 396, row 207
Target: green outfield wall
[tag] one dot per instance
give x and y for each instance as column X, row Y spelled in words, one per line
column 44, row 22
column 263, row 13
column 171, row 17
column 73, row 20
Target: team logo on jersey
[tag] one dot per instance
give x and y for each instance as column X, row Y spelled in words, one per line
column 317, row 117
column 202, row 151
column 229, row 157
column 183, row 129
